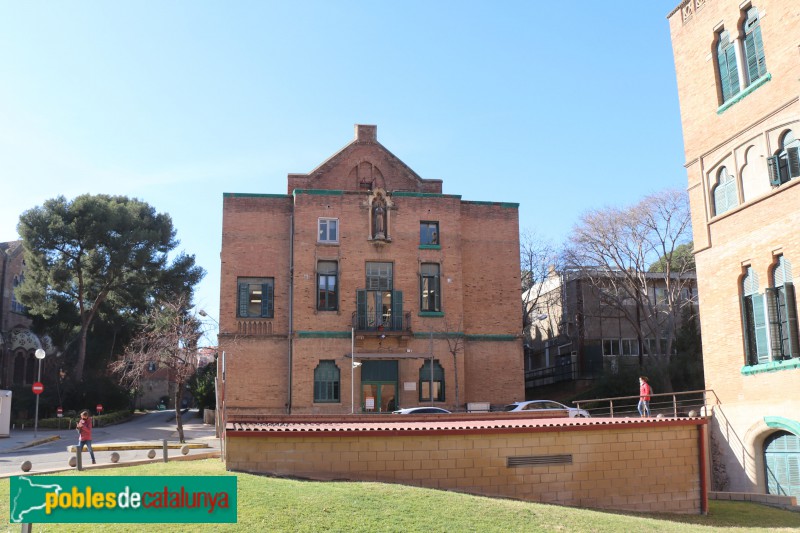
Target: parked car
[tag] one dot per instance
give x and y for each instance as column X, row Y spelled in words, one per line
column 421, row 411
column 544, row 407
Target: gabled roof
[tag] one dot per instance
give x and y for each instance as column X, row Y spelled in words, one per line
column 362, row 165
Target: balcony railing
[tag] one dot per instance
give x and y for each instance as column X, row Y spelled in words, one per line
column 546, row 376
column 377, row 322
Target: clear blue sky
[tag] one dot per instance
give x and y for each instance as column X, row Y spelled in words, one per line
column 560, row 106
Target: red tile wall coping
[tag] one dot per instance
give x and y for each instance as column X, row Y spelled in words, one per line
column 409, row 425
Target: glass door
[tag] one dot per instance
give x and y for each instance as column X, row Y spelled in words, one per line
column 378, row 397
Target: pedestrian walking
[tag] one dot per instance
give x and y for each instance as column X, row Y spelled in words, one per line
column 644, row 396
column 84, row 428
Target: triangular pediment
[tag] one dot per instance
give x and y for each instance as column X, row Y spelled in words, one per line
column 364, row 165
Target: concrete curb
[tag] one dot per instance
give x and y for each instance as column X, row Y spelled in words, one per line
column 33, row 443
column 72, row 448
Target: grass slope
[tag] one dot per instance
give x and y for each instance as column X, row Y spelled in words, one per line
column 271, row 504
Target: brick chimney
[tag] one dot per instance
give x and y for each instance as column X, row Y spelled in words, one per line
column 365, row 133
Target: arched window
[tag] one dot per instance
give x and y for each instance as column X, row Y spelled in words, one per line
column 17, row 307
column 755, row 320
column 19, row 368
column 425, row 378
column 782, row 463
column 725, row 196
column 726, row 63
column 783, row 312
column 785, row 164
column 326, row 382
column 753, row 47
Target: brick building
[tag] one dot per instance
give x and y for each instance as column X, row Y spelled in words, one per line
column 363, row 256
column 18, row 344
column 738, row 73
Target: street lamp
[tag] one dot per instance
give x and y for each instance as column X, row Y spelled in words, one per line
column 40, row 354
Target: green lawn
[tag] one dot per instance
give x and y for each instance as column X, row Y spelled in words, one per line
column 270, row 504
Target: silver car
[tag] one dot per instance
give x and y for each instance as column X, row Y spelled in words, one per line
column 421, row 411
column 546, row 407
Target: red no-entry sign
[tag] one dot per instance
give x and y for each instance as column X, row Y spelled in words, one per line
column 37, row 388
column 99, row 408
column 59, row 412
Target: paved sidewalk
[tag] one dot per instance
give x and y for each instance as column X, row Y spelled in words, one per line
column 194, row 431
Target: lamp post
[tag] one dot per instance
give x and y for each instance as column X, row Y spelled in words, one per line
column 40, row 354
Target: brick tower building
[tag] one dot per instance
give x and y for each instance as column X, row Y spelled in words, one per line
column 365, row 289
column 738, row 72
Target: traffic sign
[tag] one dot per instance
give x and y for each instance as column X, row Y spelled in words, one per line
column 99, row 408
column 37, row 388
column 59, row 412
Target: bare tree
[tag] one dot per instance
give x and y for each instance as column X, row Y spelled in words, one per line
column 453, row 334
column 539, row 261
column 614, row 248
column 168, row 339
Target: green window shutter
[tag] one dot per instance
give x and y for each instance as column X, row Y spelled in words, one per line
column 244, row 295
column 793, row 155
column 361, row 309
column 774, row 170
column 732, row 198
column 728, row 71
column 760, row 328
column 775, row 312
column 720, row 200
column 267, row 308
column 751, row 57
column 792, row 347
column 397, row 310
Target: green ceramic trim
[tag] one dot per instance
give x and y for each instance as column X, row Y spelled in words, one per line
column 323, row 334
column 741, row 94
column 779, row 422
column 430, row 246
column 772, row 366
column 431, row 313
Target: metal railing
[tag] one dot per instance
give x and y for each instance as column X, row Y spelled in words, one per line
column 545, row 376
column 377, row 321
column 668, row 404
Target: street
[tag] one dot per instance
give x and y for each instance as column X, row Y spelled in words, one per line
column 150, row 427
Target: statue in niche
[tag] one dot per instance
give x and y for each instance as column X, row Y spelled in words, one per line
column 379, row 219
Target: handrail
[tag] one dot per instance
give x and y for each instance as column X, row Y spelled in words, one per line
column 676, row 399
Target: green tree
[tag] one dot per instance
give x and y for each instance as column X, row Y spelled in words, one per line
column 201, row 385
column 103, row 255
column 681, row 260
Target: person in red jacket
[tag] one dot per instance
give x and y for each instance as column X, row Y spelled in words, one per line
column 644, row 396
column 84, row 428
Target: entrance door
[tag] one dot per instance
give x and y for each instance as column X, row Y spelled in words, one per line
column 378, row 397
column 782, row 462
column 379, row 386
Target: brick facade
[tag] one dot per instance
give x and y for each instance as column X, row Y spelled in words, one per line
column 270, row 361
column 756, row 400
column 645, row 467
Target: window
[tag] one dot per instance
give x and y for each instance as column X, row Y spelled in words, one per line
column 726, row 63
column 754, row 317
column 327, row 286
column 378, row 307
column 151, row 366
column 326, row 382
column 725, row 197
column 630, row 347
column 429, row 294
column 429, row 233
column 782, row 305
column 17, row 307
column 425, row 378
column 753, row 47
column 328, row 230
column 610, row 346
column 255, row 298
column 785, row 165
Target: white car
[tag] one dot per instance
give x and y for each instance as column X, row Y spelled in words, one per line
column 421, row 411
column 543, row 407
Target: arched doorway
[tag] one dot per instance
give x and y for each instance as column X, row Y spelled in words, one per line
column 782, row 463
